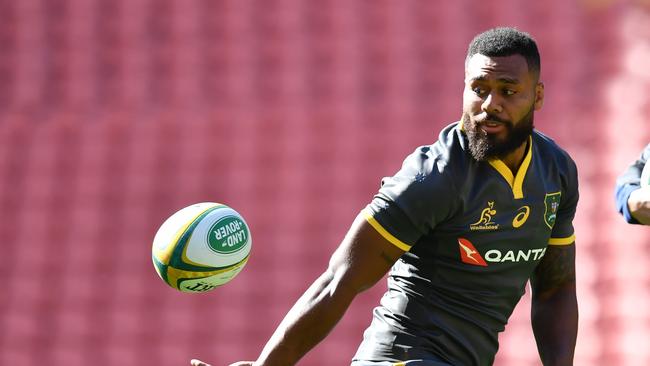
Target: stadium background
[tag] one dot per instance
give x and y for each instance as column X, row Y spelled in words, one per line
column 114, row 114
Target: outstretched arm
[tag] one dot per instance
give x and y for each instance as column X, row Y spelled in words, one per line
column 554, row 305
column 362, row 259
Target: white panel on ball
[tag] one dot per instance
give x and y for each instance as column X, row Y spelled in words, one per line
column 206, row 242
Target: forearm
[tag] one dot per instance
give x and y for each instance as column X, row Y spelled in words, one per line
column 555, row 325
column 307, row 323
column 361, row 260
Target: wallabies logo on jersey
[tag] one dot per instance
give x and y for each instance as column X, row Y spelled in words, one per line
column 551, row 203
column 485, row 221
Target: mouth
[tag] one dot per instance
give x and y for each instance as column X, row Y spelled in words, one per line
column 491, row 126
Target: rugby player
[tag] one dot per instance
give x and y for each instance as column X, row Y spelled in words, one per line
column 632, row 200
column 461, row 228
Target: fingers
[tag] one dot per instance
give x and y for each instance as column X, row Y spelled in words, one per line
column 195, row 362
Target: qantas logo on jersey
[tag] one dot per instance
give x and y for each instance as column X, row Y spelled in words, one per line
column 469, row 254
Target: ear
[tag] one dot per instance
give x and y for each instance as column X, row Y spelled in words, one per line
column 539, row 95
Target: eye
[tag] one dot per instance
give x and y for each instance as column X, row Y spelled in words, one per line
column 478, row 90
column 509, row 92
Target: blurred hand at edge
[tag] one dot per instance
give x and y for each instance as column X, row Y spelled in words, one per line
column 195, row 362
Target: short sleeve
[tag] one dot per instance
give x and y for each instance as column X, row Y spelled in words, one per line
column 414, row 200
column 563, row 231
column 628, row 182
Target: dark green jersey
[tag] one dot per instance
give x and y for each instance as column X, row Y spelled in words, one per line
column 474, row 234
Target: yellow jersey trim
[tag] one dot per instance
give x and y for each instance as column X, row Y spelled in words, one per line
column 562, row 241
column 516, row 182
column 385, row 234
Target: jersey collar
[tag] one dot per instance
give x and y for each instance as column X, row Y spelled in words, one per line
column 516, row 182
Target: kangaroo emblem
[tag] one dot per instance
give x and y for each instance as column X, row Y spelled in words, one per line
column 485, row 221
column 486, row 215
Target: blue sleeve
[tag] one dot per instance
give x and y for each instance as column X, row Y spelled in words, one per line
column 622, row 195
column 629, row 181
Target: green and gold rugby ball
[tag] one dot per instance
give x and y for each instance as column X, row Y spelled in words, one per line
column 201, row 247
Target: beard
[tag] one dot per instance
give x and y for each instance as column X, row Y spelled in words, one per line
column 484, row 146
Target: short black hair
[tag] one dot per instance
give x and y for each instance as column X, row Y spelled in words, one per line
column 506, row 41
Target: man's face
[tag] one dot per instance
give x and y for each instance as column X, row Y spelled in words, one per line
column 499, row 101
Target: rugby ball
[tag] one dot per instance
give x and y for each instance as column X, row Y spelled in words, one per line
column 201, row 247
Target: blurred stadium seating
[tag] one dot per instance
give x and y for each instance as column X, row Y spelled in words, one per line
column 114, row 114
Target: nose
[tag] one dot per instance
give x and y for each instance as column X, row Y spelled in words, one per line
column 492, row 104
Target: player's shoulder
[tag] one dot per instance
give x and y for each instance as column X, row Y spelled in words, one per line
column 549, row 148
column 552, row 153
column 646, row 153
column 436, row 166
column 450, row 148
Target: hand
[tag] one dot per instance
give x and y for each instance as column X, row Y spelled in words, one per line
column 639, row 204
column 195, row 362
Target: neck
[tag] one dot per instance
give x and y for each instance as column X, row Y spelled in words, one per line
column 514, row 159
